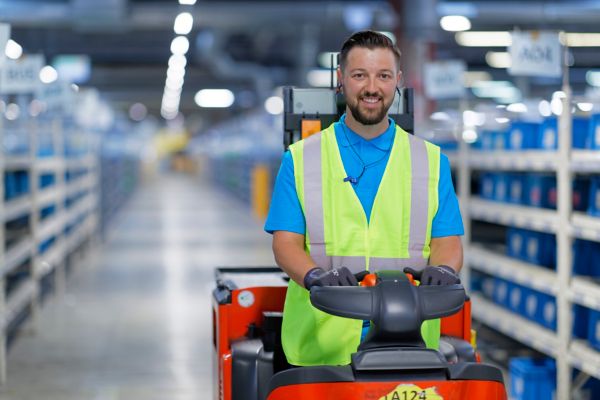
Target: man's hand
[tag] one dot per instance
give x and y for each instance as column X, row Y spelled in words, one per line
column 439, row 275
column 335, row 277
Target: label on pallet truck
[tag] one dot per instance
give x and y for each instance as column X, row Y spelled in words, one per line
column 412, row 392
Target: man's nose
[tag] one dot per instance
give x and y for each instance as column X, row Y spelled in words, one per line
column 371, row 86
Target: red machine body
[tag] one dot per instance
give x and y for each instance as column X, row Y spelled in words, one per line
column 242, row 310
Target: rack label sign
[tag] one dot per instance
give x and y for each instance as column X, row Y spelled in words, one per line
column 4, row 36
column 444, row 79
column 22, row 75
column 536, row 54
column 58, row 96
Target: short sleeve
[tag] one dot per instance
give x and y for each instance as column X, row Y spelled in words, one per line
column 447, row 221
column 285, row 212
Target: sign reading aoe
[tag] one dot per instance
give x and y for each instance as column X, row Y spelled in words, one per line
column 22, row 75
column 536, row 54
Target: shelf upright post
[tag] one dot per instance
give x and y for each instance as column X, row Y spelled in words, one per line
column 2, row 277
column 34, row 216
column 95, row 171
column 564, row 238
column 59, row 152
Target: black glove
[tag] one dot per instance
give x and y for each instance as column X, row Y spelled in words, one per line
column 334, row 277
column 430, row 275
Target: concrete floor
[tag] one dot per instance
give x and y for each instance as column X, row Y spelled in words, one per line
column 135, row 321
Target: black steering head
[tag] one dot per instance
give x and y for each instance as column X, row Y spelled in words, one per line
column 395, row 306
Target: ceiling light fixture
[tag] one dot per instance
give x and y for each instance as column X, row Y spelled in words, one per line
column 593, row 78
column 274, row 105
column 48, row 74
column 180, row 45
column 517, row 108
column 183, row 23
column 177, row 61
column 13, row 50
column 214, row 98
column 320, row 78
column 498, row 59
column 574, row 39
column 585, row 107
column 471, row 78
column 483, row 39
column 455, row 23
column 544, row 108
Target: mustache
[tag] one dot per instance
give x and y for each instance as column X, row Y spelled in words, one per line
column 370, row 94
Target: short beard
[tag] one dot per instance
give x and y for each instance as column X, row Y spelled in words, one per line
column 368, row 119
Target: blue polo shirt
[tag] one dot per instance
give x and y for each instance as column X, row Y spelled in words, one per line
column 285, row 213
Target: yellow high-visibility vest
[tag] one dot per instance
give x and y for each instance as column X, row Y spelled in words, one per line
column 338, row 234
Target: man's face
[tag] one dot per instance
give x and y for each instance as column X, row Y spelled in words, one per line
column 369, row 82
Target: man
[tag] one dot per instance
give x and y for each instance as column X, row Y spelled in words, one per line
column 362, row 194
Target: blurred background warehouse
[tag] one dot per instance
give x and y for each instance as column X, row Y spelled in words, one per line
column 141, row 138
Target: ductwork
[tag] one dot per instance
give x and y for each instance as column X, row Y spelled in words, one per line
column 99, row 14
column 210, row 52
column 524, row 12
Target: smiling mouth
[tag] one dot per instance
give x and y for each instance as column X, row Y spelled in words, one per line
column 370, row 101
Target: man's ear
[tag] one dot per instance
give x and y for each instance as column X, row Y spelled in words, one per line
column 399, row 79
column 339, row 79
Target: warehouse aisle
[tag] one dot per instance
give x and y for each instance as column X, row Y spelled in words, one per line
column 136, row 322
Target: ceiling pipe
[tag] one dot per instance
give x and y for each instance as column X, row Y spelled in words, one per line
column 523, row 12
column 210, row 52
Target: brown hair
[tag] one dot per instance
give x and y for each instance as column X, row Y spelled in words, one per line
column 370, row 40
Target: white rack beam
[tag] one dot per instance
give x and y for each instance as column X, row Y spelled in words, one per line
column 514, row 325
column 49, row 164
column 80, row 162
column 514, row 215
column 14, row 163
column 531, row 160
column 585, row 160
column 16, row 254
column 585, row 291
column 585, row 358
column 18, row 301
column 77, row 236
column 49, row 195
column 84, row 205
column 52, row 258
column 523, row 273
column 17, row 207
column 585, row 226
column 51, row 226
column 80, row 184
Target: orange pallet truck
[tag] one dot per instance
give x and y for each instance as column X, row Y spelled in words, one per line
column 391, row 364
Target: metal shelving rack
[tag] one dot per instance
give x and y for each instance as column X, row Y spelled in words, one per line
column 567, row 225
column 80, row 218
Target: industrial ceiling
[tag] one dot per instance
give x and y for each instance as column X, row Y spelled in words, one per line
column 251, row 47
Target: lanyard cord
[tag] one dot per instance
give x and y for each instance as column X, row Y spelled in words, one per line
column 354, row 180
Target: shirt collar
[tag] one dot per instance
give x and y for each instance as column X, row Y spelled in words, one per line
column 382, row 142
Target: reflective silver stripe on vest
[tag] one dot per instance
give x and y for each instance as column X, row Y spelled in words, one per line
column 419, row 197
column 313, row 200
column 315, row 224
column 357, row 263
column 380, row 263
